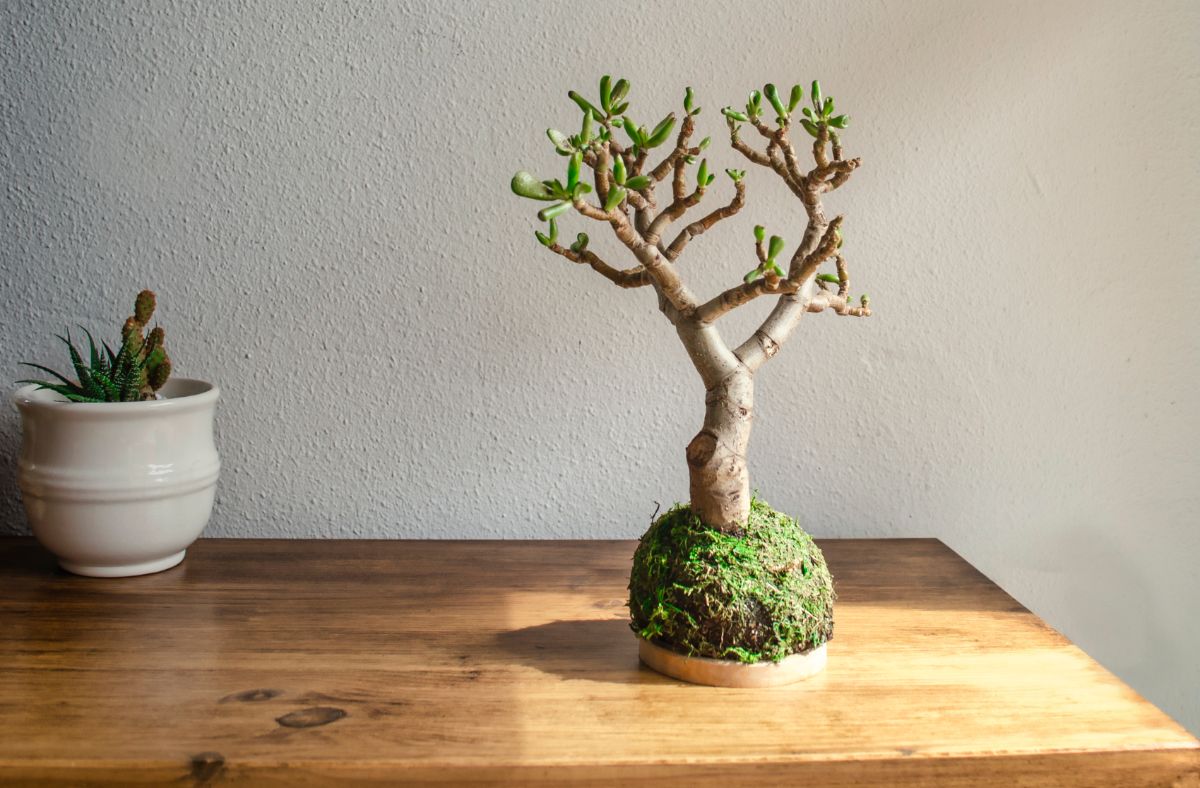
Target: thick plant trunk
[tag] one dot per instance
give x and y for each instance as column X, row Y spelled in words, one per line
column 720, row 481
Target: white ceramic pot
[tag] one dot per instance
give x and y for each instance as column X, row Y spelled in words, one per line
column 119, row 488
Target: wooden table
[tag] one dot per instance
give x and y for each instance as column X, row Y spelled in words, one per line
column 313, row 662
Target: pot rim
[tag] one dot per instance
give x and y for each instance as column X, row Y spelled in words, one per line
column 34, row 399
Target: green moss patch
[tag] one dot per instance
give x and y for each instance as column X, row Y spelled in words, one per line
column 765, row 594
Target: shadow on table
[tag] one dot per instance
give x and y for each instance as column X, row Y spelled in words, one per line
column 590, row 650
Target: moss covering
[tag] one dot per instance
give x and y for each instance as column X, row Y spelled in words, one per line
column 763, row 595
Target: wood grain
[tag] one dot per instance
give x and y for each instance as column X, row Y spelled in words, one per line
column 305, row 663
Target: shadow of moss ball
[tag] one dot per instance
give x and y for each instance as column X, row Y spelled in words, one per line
column 761, row 596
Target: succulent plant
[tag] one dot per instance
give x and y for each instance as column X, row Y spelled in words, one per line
column 134, row 372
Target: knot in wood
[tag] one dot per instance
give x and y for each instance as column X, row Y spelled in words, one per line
column 701, row 449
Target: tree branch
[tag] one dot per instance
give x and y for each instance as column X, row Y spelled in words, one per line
column 805, row 265
column 592, row 212
column 769, row 159
column 671, row 213
column 630, row 277
column 778, row 326
column 744, row 149
column 731, row 299
column 840, row 170
column 802, row 269
column 819, row 146
column 700, row 225
column 681, row 149
column 840, row 304
column 679, row 182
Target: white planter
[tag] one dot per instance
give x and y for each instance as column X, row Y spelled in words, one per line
column 119, row 488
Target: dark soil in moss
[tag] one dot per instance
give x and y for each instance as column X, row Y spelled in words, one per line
column 766, row 594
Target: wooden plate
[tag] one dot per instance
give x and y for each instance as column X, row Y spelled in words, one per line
column 731, row 673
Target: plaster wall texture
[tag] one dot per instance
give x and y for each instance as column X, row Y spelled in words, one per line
column 319, row 193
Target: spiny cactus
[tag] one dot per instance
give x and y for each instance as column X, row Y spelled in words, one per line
column 135, row 372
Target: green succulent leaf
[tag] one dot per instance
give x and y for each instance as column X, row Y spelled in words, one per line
column 573, row 165
column 97, row 360
column 730, row 112
column 584, row 104
column 64, row 380
column 661, row 132
column 778, row 271
column 702, row 178
column 617, row 110
column 638, row 182
column 105, row 382
column 81, row 369
column 556, row 188
column 635, row 134
column 614, row 199
column 865, row 300
column 73, row 393
column 772, row 95
column 558, row 209
column 774, row 247
column 840, row 121
column 827, row 107
column 525, row 185
column 619, row 170
column 831, row 278
column 736, row 175
column 815, row 92
column 619, row 91
column 581, row 242
column 794, row 98
column 689, row 99
column 562, row 143
column 760, row 233
column 704, row 143
column 750, row 277
column 585, row 130
column 543, row 239
column 810, row 127
column 606, row 92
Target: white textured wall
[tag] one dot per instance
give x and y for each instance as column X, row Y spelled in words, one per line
column 320, row 195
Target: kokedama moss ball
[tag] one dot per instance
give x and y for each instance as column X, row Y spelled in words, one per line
column 766, row 594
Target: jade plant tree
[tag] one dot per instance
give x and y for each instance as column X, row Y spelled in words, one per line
column 614, row 178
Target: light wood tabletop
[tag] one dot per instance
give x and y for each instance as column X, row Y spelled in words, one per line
column 335, row 662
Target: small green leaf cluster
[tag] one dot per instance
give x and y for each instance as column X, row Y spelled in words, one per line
column 599, row 121
column 770, row 264
column 821, row 113
column 135, row 372
column 834, row 279
column 754, row 105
